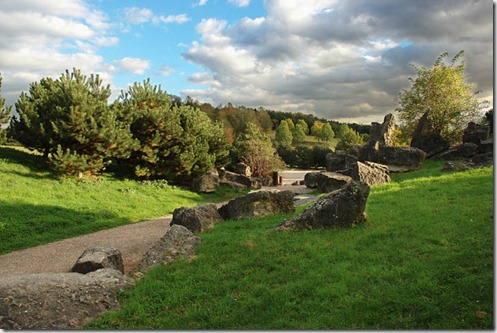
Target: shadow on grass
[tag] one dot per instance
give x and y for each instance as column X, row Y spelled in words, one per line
column 26, row 225
column 36, row 164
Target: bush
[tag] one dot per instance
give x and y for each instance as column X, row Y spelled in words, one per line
column 69, row 121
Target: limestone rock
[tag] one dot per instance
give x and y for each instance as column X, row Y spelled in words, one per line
column 205, row 183
column 232, row 185
column 198, row 218
column 177, row 243
column 243, row 169
column 401, row 156
column 326, row 181
column 424, row 138
column 347, row 165
column 235, row 177
column 260, row 203
column 338, row 209
column 96, row 257
column 475, row 133
column 58, row 300
column 465, row 150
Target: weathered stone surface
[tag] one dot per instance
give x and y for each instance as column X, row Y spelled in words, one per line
column 401, row 156
column 205, row 183
column 424, row 138
column 198, row 218
column 58, row 300
column 341, row 208
column 96, row 257
column 227, row 176
column 177, row 243
column 475, row 133
column 260, row 203
column 243, row 169
column 485, row 159
column 339, row 161
column 232, row 185
column 347, row 165
column 371, row 173
column 465, row 150
column 326, row 181
column 380, row 135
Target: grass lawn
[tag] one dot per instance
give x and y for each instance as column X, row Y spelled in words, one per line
column 423, row 260
column 37, row 208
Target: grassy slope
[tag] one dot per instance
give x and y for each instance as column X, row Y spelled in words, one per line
column 423, row 260
column 37, row 208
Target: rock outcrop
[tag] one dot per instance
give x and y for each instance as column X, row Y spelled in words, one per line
column 338, row 209
column 58, row 300
column 205, row 183
column 198, row 218
column 96, row 257
column 427, row 140
column 326, row 181
column 260, row 203
column 348, row 165
column 475, row 133
column 177, row 243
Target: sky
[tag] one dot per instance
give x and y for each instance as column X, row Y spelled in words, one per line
column 344, row 60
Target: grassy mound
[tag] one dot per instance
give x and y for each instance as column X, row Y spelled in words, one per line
column 423, row 260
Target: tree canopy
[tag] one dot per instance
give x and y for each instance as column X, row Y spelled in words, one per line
column 443, row 93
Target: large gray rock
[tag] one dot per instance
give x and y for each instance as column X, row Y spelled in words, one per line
column 232, row 185
column 205, row 183
column 243, row 169
column 260, row 203
column 177, row 243
column 338, row 209
column 463, row 151
column 408, row 157
column 427, row 140
column 96, row 257
column 475, row 133
column 198, row 218
column 380, row 135
column 486, row 146
column 371, row 173
column 58, row 300
column 227, row 176
column 326, row 181
column 347, row 165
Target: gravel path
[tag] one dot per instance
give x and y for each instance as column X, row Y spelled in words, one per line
column 133, row 240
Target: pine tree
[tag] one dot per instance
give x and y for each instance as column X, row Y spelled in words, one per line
column 4, row 115
column 69, row 120
column 176, row 142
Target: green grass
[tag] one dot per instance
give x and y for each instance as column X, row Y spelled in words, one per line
column 423, row 260
column 36, row 207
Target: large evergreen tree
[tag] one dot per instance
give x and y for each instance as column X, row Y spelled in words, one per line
column 4, row 114
column 176, row 142
column 69, row 121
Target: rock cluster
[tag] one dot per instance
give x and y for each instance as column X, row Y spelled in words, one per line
column 340, row 208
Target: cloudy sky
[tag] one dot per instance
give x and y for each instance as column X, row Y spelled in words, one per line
column 344, row 60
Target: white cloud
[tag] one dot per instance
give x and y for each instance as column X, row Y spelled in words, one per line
column 339, row 60
column 202, row 2
column 135, row 15
column 134, row 65
column 240, row 3
column 166, row 71
column 43, row 39
column 179, row 19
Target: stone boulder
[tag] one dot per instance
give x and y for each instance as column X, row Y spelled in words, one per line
column 227, row 176
column 486, row 146
column 338, row 209
column 475, row 133
column 347, row 165
column 177, row 243
column 408, row 157
column 371, row 173
column 260, row 203
column 465, row 150
column 96, row 257
column 205, row 183
column 58, row 301
column 326, row 181
column 243, row 169
column 380, row 135
column 233, row 185
column 198, row 218
column 427, row 140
